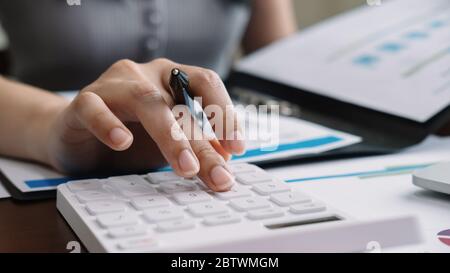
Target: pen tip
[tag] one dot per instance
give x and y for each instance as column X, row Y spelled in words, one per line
column 175, row 71
column 179, row 81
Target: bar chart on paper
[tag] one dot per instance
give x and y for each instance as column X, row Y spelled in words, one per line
column 413, row 53
column 394, row 58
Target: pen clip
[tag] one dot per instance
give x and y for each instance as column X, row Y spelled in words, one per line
column 179, row 84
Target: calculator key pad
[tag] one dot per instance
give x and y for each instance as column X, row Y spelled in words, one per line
column 176, row 225
column 268, row 188
column 102, row 207
column 128, row 231
column 94, row 195
column 243, row 168
column 84, row 185
column 117, row 220
column 209, row 208
column 265, row 213
column 249, row 203
column 309, row 207
column 253, row 177
column 135, row 212
column 131, row 185
column 163, row 214
column 185, row 198
column 289, row 198
column 146, row 202
column 178, row 186
column 235, row 192
column 221, row 219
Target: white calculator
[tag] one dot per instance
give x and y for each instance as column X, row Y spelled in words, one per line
column 161, row 212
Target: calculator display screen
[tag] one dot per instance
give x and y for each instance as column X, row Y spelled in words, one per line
column 304, row 222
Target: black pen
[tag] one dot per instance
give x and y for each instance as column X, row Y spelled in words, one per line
column 179, row 88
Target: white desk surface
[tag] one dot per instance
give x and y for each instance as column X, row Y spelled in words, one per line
column 381, row 195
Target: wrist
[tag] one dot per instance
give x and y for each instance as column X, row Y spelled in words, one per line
column 40, row 130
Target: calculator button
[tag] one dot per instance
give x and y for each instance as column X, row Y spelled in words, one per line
column 271, row 187
column 178, row 186
column 84, row 185
column 93, row 195
column 289, row 198
column 175, row 225
column 249, row 203
column 129, row 231
column 156, row 178
column 138, row 244
column 131, row 185
column 265, row 213
column 253, row 178
column 101, row 207
column 209, row 208
column 243, row 168
column 141, row 203
column 117, row 219
column 311, row 207
column 185, row 198
column 163, row 214
column 222, row 219
column 235, row 192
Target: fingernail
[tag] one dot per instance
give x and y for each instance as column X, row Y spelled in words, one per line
column 221, row 177
column 237, row 143
column 188, row 163
column 119, row 137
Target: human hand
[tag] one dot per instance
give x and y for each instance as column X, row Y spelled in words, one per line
column 123, row 122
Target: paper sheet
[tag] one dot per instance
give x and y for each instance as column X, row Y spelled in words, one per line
column 295, row 137
column 3, row 192
column 393, row 58
column 29, row 177
column 380, row 186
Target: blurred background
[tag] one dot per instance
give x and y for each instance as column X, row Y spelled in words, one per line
column 308, row 12
column 312, row 11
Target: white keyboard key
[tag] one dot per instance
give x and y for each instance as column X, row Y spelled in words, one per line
column 156, row 178
column 141, row 203
column 178, row 186
column 271, row 187
column 102, row 207
column 249, row 203
column 253, row 178
column 130, row 231
column 192, row 179
column 190, row 197
column 131, row 185
column 117, row 220
column 235, row 192
column 221, row 219
column 93, row 195
column 289, row 198
column 203, row 209
column 243, row 168
column 84, row 185
column 311, row 207
column 202, row 186
column 142, row 243
column 175, row 225
column 265, row 213
column 163, row 214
